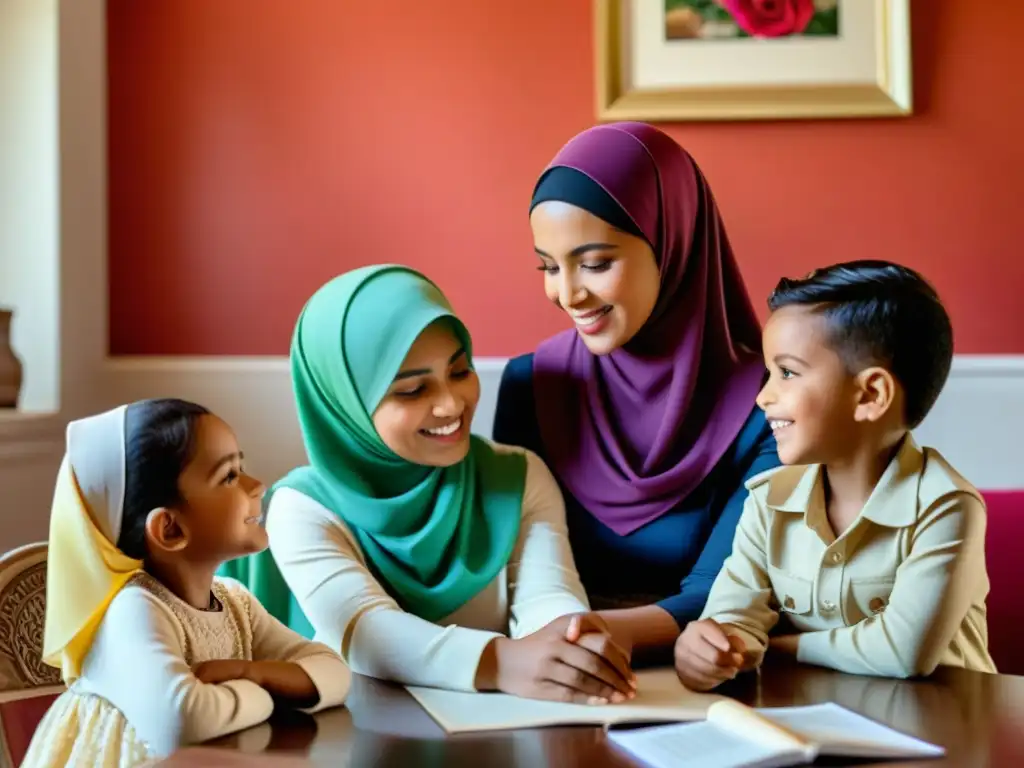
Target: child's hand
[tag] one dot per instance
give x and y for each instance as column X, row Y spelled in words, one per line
column 706, row 655
column 283, row 680
column 286, row 681
column 222, row 670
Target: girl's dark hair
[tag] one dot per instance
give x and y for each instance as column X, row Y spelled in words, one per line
column 160, row 437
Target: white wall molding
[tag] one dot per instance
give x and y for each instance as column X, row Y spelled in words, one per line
column 31, row 446
column 26, row 436
column 975, row 423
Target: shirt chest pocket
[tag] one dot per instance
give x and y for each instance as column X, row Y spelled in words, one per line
column 792, row 593
column 866, row 598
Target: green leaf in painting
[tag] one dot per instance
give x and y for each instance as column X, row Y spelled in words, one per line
column 824, row 24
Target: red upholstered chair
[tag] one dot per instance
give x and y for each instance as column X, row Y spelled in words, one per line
column 1005, row 556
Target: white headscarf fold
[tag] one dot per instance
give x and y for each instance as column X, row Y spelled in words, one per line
column 85, row 569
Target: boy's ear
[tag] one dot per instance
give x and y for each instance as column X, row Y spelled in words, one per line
column 164, row 531
column 876, row 392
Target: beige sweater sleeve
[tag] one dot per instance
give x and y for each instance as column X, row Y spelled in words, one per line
column 741, row 595
column 137, row 663
column 934, row 588
column 273, row 641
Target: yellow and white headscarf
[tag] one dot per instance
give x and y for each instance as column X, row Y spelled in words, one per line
column 85, row 569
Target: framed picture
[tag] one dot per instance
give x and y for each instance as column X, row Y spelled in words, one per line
column 677, row 60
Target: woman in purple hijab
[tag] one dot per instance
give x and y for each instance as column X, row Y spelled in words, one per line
column 645, row 409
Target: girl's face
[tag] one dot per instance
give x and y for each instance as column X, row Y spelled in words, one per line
column 220, row 515
column 606, row 280
column 427, row 411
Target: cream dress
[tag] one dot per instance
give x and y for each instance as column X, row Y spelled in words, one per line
column 137, row 698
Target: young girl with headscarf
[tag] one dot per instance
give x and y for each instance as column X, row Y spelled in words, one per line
column 645, row 410
column 151, row 499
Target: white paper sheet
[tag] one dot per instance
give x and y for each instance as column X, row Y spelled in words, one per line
column 660, row 698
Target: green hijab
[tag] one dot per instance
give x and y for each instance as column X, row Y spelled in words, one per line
column 433, row 536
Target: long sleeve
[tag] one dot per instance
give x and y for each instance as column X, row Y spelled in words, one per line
column 693, row 593
column 137, row 663
column 273, row 641
column 325, row 570
column 542, row 575
column 932, row 594
column 742, row 593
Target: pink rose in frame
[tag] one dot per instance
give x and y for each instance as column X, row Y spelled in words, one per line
column 771, row 18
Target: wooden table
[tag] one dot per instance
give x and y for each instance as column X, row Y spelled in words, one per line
column 979, row 718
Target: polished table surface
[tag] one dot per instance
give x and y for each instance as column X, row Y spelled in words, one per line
column 979, row 718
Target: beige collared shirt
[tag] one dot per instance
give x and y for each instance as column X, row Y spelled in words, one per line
column 899, row 593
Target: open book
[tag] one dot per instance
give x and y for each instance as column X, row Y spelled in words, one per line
column 736, row 736
column 660, row 698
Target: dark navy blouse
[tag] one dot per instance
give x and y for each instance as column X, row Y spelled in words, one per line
column 671, row 561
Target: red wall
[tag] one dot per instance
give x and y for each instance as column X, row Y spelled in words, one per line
column 258, row 149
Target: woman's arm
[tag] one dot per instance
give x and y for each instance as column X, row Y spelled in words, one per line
column 687, row 605
column 352, row 614
column 138, row 665
column 542, row 577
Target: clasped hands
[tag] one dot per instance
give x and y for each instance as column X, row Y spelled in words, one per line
column 574, row 659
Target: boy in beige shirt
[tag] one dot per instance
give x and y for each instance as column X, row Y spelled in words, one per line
column 871, row 549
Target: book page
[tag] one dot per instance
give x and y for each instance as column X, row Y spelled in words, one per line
column 660, row 698
column 838, row 731
column 746, row 722
column 702, row 745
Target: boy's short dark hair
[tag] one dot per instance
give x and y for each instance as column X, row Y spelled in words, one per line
column 880, row 313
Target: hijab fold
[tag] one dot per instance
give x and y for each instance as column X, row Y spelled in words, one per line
column 633, row 433
column 434, row 536
column 85, row 569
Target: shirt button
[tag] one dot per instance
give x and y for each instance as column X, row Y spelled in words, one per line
column 837, row 557
column 828, row 606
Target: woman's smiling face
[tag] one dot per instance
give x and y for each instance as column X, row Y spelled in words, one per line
column 425, row 416
column 605, row 279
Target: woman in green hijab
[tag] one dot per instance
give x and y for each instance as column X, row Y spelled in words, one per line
column 422, row 553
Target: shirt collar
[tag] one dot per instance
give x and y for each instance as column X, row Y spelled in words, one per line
column 893, row 502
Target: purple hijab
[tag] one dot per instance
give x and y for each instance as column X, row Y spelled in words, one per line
column 633, row 433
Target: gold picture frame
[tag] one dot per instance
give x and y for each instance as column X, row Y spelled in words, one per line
column 889, row 95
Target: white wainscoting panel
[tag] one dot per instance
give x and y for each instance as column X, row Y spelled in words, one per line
column 31, row 447
column 977, row 423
